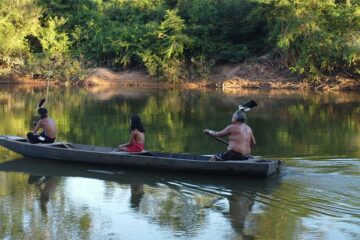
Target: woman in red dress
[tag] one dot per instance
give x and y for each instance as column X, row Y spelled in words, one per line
column 137, row 136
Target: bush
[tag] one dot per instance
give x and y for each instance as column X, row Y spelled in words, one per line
column 175, row 39
column 317, row 38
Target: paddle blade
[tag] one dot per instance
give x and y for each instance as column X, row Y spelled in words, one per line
column 247, row 105
column 41, row 103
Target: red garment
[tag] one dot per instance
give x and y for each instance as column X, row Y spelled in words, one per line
column 135, row 147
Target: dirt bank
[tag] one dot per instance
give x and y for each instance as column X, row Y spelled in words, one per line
column 103, row 77
column 257, row 73
column 262, row 73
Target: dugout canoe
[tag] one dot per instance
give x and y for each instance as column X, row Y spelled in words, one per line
column 62, row 151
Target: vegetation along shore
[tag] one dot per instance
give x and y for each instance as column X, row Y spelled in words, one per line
column 193, row 43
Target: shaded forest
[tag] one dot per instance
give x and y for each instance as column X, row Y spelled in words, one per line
column 175, row 40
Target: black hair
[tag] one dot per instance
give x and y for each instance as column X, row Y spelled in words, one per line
column 135, row 123
column 42, row 112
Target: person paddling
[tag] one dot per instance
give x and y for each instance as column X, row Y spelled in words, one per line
column 47, row 124
column 137, row 136
column 241, row 139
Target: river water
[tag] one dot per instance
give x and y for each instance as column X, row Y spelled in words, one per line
column 316, row 196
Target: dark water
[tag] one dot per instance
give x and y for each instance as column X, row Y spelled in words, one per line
column 316, row 196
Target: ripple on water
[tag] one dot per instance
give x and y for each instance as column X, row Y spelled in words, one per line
column 321, row 187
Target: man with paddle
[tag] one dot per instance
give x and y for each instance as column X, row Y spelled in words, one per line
column 46, row 123
column 240, row 136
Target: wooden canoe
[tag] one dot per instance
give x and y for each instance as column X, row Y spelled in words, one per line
column 167, row 161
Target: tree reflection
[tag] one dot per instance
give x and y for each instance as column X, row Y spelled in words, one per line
column 290, row 124
column 173, row 206
column 173, row 209
column 285, row 125
column 28, row 211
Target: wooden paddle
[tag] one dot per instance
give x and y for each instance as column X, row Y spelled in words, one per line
column 217, row 138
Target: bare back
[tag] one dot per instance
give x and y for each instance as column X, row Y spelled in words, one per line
column 241, row 137
column 48, row 125
column 138, row 136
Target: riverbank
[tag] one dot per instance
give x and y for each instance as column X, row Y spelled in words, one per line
column 258, row 73
column 249, row 75
column 264, row 74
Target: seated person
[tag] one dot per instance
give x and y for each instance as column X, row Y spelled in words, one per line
column 137, row 136
column 241, row 139
column 49, row 129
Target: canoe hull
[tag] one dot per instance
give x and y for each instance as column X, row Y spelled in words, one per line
column 104, row 156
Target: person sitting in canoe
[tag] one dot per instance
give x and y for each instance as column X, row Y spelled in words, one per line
column 241, row 139
column 137, row 136
column 47, row 124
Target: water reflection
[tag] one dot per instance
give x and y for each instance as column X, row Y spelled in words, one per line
column 175, row 201
column 137, row 192
column 285, row 124
column 46, row 186
column 240, row 206
column 317, row 135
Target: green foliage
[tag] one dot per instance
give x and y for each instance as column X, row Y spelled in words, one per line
column 53, row 42
column 163, row 36
column 177, row 39
column 32, row 43
column 18, row 19
column 54, row 61
column 318, row 37
column 171, row 42
column 224, row 30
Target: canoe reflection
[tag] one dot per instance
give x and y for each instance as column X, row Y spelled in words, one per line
column 178, row 201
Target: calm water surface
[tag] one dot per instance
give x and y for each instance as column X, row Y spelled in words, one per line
column 316, row 196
